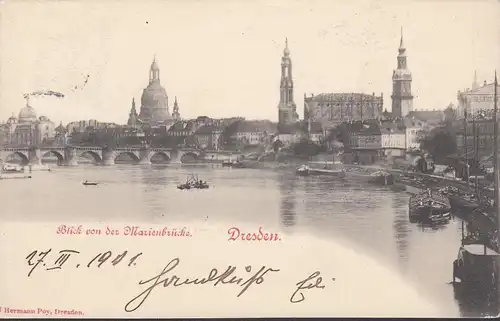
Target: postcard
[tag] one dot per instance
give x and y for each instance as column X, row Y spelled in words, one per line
column 270, row 158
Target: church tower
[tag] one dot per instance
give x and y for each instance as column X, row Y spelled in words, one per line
column 287, row 110
column 175, row 113
column 402, row 99
column 132, row 117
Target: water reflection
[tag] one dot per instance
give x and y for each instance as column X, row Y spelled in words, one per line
column 287, row 184
column 474, row 304
column 402, row 230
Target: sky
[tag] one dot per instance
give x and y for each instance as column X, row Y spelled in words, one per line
column 221, row 58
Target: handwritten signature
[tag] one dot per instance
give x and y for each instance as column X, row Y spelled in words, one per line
column 166, row 278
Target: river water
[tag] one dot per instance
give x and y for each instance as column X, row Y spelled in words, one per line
column 370, row 219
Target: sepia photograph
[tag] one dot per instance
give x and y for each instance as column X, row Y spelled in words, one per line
column 240, row 159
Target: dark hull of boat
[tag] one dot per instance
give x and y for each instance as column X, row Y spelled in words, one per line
column 459, row 204
column 90, row 184
column 302, row 173
column 381, row 180
column 429, row 214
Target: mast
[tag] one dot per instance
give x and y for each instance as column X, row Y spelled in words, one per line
column 495, row 148
column 465, row 145
column 475, row 155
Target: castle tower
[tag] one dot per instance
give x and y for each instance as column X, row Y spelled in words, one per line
column 402, row 99
column 175, row 113
column 287, row 110
column 132, row 117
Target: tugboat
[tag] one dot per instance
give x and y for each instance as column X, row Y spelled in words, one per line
column 429, row 207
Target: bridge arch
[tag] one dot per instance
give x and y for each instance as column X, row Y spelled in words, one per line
column 189, row 157
column 131, row 154
column 94, row 155
column 60, row 157
column 24, row 158
column 165, row 157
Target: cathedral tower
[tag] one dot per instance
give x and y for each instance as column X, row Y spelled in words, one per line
column 402, row 99
column 287, row 110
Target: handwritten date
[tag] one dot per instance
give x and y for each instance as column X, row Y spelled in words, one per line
column 40, row 258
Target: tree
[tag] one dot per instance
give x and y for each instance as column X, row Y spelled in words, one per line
column 340, row 134
column 439, row 143
column 277, row 144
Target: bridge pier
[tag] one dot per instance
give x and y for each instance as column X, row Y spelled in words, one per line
column 175, row 157
column 34, row 157
column 70, row 157
column 144, row 157
column 108, row 157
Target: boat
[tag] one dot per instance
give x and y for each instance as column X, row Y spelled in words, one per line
column 305, row 170
column 14, row 177
column 87, row 183
column 193, row 182
column 429, row 206
column 12, row 168
column 237, row 164
column 463, row 202
column 233, row 164
column 477, row 263
column 478, row 258
column 381, row 178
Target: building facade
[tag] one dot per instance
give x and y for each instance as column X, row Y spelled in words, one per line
column 402, row 98
column 287, row 109
column 27, row 129
column 479, row 137
column 330, row 109
column 477, row 101
column 154, row 100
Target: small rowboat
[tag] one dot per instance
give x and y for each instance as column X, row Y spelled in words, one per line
column 86, row 183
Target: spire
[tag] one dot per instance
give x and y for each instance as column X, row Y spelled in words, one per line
column 176, row 113
column 286, row 52
column 132, row 110
column 474, row 84
column 401, row 43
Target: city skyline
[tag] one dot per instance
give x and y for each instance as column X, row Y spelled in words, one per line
column 222, row 72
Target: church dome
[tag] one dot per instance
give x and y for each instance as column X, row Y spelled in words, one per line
column 27, row 115
column 12, row 120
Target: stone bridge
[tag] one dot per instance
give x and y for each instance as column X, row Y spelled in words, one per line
column 69, row 155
